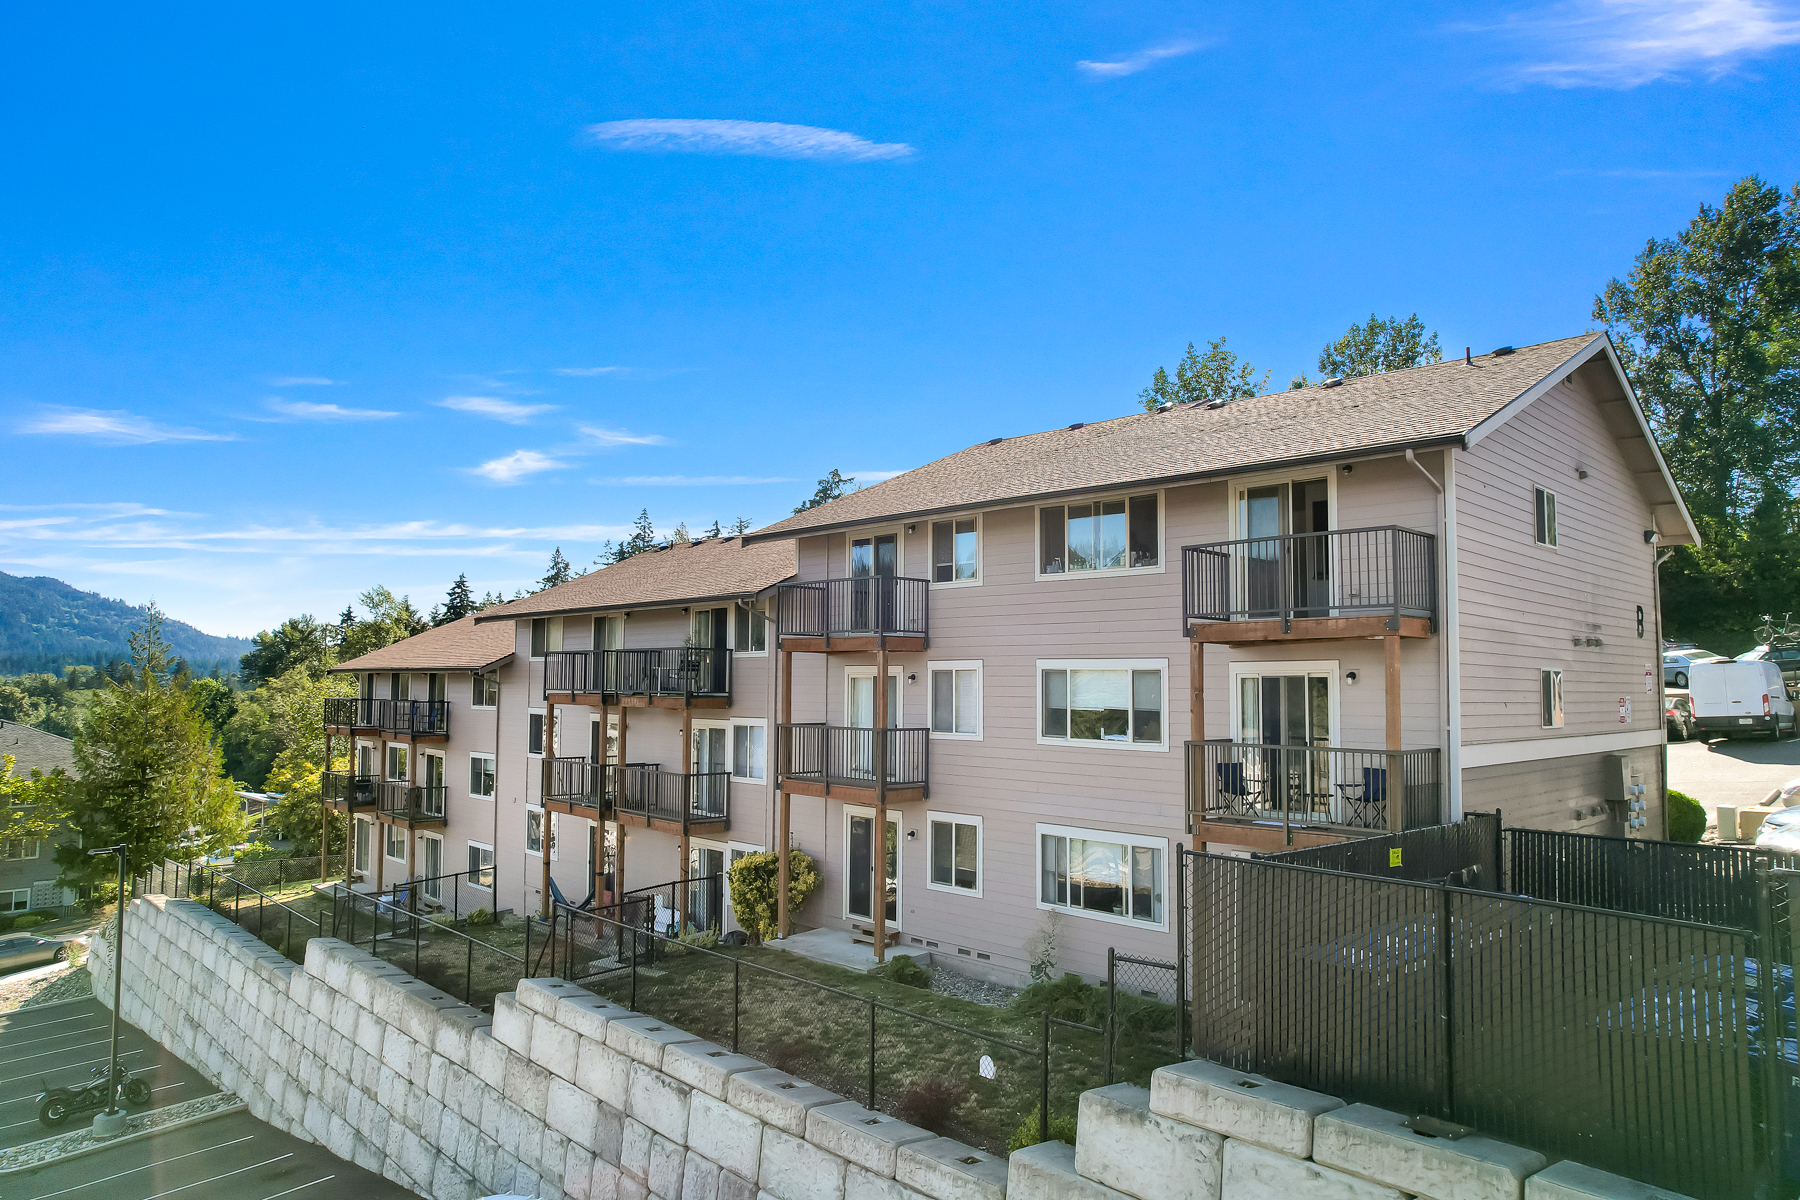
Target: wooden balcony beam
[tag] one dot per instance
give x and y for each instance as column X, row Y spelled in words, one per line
column 1307, row 629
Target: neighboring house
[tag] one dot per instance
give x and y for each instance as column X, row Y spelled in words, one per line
column 1301, row 617
column 28, row 868
column 635, row 738
column 422, row 789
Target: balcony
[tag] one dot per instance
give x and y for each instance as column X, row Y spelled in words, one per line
column 1312, row 586
column 408, row 804
column 665, row 677
column 676, row 802
column 872, row 612
column 815, row 758
column 410, row 719
column 347, row 792
column 1273, row 797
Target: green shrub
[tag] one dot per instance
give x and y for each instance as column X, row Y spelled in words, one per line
column 753, row 880
column 6, row 923
column 1072, row 999
column 905, row 969
column 31, row 920
column 1029, row 1133
column 480, row 916
column 1687, row 820
column 251, row 852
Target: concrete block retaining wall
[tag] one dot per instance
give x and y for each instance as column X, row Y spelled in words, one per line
column 561, row 1093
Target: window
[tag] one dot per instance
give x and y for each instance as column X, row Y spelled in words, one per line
column 953, row 551
column 534, row 734
column 487, row 690
column 749, row 751
column 20, row 899
column 1112, row 703
column 18, row 848
column 1105, row 875
column 399, row 686
column 752, row 629
column 609, row 632
column 956, row 700
column 481, row 866
column 1099, row 535
column 396, row 842
column 481, row 776
column 534, row 831
column 1546, row 518
column 955, row 853
column 396, row 762
column 1550, row 697
column 546, row 635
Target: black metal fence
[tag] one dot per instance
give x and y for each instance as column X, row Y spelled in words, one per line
column 183, row 879
column 1715, row 885
column 850, row 757
column 1383, row 570
column 646, row 790
column 1313, row 785
column 1463, row 854
column 408, row 802
column 660, row 671
column 866, row 605
column 425, row 718
column 1629, row 1042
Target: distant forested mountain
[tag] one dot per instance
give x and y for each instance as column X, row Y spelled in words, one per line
column 46, row 625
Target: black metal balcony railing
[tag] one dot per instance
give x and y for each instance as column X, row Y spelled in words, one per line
column 424, row 718
column 665, row 671
column 1385, row 570
column 341, row 787
column 577, row 781
column 887, row 605
column 842, row 756
column 401, row 801
column 1312, row 785
column 646, row 790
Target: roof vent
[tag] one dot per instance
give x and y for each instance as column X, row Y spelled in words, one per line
column 1217, row 403
column 1078, row 425
column 1164, row 406
column 1331, row 381
column 1503, row 351
column 995, row 441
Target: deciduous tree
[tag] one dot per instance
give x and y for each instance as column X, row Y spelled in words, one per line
column 1216, row 376
column 1375, row 346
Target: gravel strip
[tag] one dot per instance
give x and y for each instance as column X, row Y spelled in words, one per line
column 68, row 983
column 63, row 1145
column 964, row 987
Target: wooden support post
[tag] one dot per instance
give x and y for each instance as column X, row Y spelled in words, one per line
column 879, row 857
column 784, row 834
column 1396, row 783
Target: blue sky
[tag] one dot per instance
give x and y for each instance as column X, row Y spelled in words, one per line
column 295, row 302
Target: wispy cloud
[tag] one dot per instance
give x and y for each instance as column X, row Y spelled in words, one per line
column 619, row 437
column 302, row 410
column 689, row 480
column 1142, row 60
column 867, row 477
column 763, row 139
column 115, row 427
column 286, row 381
column 510, row 411
column 1628, row 43
column 516, row 467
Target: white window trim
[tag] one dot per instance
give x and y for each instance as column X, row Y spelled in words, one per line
column 895, row 818
column 387, row 750
column 1162, row 536
column 731, row 748
column 1560, row 672
column 1099, row 835
column 980, row 854
column 543, row 830
column 468, row 875
column 549, row 735
column 980, row 540
column 473, row 676
column 1234, row 513
column 966, row 664
column 439, row 839
column 899, row 532
column 387, row 828
column 1102, row 664
column 1555, row 542
column 1313, row 666
column 868, row 672
column 495, row 762
column 731, row 634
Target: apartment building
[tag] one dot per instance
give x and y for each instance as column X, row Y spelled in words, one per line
column 1016, row 678
column 28, row 868
column 423, row 785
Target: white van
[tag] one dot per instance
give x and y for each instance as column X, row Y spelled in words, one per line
column 1735, row 698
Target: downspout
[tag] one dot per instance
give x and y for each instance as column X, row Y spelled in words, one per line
column 1450, row 645
column 499, row 699
column 1662, row 695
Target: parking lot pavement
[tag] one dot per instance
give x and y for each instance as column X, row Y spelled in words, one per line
column 233, row 1157
column 1740, row 773
column 61, row 1043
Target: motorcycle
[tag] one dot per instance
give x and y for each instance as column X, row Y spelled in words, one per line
column 58, row 1104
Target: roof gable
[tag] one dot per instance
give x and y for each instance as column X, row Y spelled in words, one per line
column 684, row 573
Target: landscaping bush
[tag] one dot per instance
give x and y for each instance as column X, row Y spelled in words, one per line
column 753, row 879
column 31, row 920
column 251, row 852
column 6, row 923
column 930, row 1103
column 1687, row 820
column 1062, row 1129
column 904, row 968
column 1072, row 999
column 480, row 916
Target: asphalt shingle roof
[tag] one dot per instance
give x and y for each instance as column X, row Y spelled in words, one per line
column 685, row 573
column 459, row 646
column 33, row 748
column 1416, row 407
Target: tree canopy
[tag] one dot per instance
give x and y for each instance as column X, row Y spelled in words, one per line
column 460, row 601
column 558, row 572
column 1218, row 375
column 32, row 807
column 1376, row 345
column 298, row 641
column 834, row 486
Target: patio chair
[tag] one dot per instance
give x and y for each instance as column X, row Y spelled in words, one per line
column 1244, row 796
column 1365, row 803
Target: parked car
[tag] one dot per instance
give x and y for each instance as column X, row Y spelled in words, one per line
column 23, row 950
column 1780, row 831
column 1785, row 657
column 1677, row 662
column 1731, row 699
column 1680, row 717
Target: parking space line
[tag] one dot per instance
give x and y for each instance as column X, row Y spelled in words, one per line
column 33, row 1121
column 227, row 1175
column 89, row 1062
column 146, row 1167
column 7, row 1062
column 301, row 1188
column 8, row 1028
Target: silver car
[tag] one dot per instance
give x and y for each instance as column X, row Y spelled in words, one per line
column 1677, row 662
column 19, row 950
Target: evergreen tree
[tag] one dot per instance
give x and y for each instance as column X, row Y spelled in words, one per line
column 558, row 573
column 458, row 604
column 643, row 537
column 739, row 526
column 1376, row 346
column 1214, row 377
column 148, row 772
column 714, row 531
column 681, row 536
column 834, row 486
